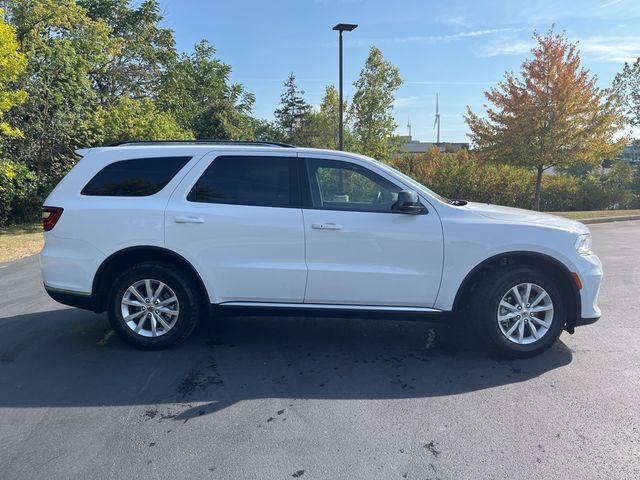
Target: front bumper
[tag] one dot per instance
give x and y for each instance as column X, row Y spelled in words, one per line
column 590, row 273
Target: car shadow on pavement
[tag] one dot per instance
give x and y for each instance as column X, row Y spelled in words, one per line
column 69, row 357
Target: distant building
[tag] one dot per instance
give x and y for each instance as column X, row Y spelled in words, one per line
column 416, row 147
column 631, row 153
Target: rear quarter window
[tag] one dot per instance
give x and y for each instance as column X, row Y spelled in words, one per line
column 136, row 177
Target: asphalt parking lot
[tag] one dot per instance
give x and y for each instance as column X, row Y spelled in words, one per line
column 268, row 398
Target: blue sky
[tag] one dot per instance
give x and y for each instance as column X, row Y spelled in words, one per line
column 457, row 49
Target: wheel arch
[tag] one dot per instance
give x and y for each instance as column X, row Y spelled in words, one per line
column 115, row 263
column 539, row 260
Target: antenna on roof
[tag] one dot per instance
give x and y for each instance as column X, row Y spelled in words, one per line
column 437, row 122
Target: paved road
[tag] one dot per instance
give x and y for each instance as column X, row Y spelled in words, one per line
column 317, row 399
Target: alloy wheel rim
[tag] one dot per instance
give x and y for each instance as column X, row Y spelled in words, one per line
column 525, row 313
column 150, row 308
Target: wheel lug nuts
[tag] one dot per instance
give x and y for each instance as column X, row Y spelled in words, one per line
column 528, row 305
column 146, row 300
column 519, row 307
column 517, row 317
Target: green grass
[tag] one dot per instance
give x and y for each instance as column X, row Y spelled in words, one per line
column 20, row 241
column 596, row 214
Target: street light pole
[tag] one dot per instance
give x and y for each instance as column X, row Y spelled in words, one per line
column 340, row 105
column 342, row 27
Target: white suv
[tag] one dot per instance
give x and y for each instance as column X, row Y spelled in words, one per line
column 159, row 233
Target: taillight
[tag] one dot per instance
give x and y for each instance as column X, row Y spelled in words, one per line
column 50, row 216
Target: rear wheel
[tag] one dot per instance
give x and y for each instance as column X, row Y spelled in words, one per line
column 520, row 311
column 153, row 306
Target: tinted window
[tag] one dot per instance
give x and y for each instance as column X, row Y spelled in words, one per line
column 339, row 185
column 137, row 177
column 246, row 180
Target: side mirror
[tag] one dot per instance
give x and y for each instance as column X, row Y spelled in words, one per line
column 409, row 202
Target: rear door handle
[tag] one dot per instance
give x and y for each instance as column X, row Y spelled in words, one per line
column 326, row 226
column 188, row 219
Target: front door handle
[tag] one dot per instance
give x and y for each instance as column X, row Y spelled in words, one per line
column 326, row 226
column 188, row 219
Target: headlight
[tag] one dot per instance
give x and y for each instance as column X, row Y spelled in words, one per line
column 583, row 244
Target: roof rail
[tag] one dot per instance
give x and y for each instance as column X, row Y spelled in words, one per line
column 200, row 142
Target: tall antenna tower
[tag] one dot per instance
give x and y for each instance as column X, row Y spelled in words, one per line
column 409, row 126
column 437, row 122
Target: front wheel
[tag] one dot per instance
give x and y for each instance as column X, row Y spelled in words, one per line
column 520, row 310
column 153, row 306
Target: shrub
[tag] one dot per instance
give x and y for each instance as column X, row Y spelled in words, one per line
column 464, row 176
column 561, row 193
column 19, row 200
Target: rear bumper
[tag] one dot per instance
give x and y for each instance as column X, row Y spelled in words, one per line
column 69, row 265
column 586, row 321
column 73, row 299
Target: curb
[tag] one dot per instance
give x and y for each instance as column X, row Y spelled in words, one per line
column 588, row 221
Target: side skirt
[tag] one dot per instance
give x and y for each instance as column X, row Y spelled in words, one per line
column 331, row 311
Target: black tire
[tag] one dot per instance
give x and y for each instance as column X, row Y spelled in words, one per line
column 487, row 299
column 185, row 291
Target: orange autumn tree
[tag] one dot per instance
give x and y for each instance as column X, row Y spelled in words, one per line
column 551, row 115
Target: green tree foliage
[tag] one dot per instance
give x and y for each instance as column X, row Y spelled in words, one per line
column 12, row 64
column 18, row 197
column 293, row 113
column 133, row 119
column 627, row 86
column 330, row 110
column 306, row 126
column 319, row 128
column 372, row 104
column 99, row 71
column 63, row 45
column 266, row 131
column 324, row 124
column 196, row 90
column 552, row 115
column 140, row 50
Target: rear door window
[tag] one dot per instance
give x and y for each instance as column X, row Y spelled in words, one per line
column 261, row 181
column 137, row 177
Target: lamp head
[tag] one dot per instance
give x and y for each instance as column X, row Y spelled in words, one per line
column 345, row 27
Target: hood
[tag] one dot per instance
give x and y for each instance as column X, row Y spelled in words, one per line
column 519, row 215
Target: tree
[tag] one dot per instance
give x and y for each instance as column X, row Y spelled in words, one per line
column 319, row 127
column 140, row 49
column 293, row 112
column 265, row 131
column 373, row 123
column 552, row 115
column 329, row 135
column 627, row 86
column 196, row 90
column 12, row 64
column 63, row 46
column 132, row 119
